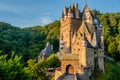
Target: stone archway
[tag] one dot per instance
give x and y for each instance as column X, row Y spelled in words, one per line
column 69, row 69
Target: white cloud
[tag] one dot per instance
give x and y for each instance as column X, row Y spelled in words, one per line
column 46, row 20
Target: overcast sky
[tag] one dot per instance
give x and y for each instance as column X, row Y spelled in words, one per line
column 26, row 13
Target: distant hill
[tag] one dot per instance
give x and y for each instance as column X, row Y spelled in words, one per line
column 28, row 42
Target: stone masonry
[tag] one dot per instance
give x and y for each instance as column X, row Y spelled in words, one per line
column 81, row 44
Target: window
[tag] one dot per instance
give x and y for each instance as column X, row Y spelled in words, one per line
column 95, row 52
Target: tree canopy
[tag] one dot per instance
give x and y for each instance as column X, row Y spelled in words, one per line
column 12, row 68
column 28, row 42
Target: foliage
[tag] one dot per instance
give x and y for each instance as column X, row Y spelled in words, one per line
column 52, row 61
column 12, row 69
column 28, row 42
column 37, row 70
column 112, row 71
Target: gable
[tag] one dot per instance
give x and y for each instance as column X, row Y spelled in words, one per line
column 86, row 12
column 84, row 29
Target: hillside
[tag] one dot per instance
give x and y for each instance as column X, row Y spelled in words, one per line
column 28, row 42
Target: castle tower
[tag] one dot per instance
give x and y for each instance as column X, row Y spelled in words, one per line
column 70, row 22
column 99, row 43
column 81, row 44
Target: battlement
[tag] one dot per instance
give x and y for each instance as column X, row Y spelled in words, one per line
column 72, row 12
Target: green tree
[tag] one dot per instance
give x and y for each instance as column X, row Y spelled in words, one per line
column 12, row 69
column 112, row 71
column 112, row 48
column 113, row 21
column 95, row 12
column 118, row 26
column 52, row 61
column 36, row 70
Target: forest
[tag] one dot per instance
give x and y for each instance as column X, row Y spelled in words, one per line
column 20, row 48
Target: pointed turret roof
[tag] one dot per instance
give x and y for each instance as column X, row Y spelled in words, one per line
column 95, row 40
column 62, row 15
column 86, row 7
column 70, row 10
column 65, row 11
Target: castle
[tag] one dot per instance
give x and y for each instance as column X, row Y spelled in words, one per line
column 81, row 44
